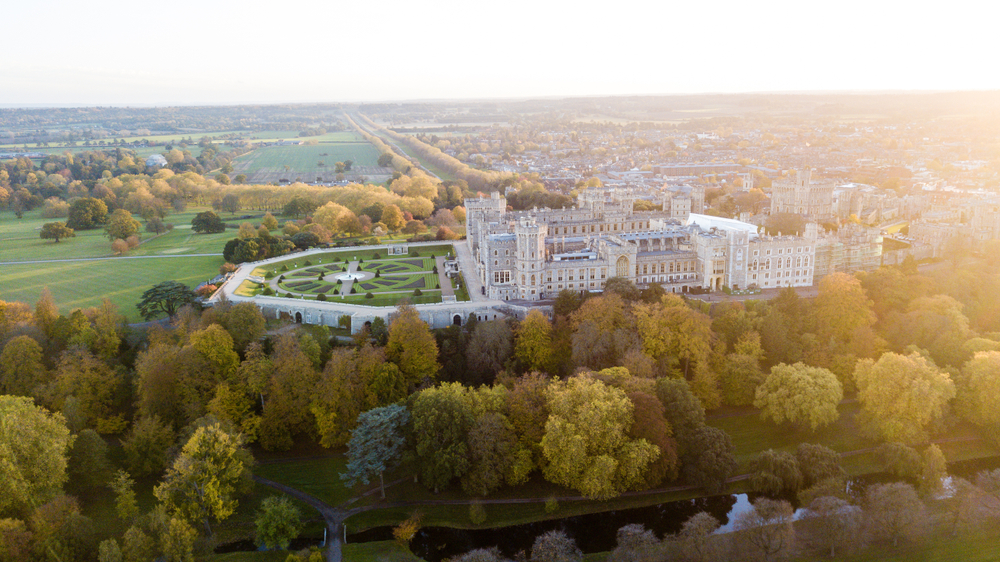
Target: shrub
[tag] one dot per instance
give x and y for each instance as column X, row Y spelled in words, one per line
column 361, row 261
column 339, row 281
column 353, row 290
column 437, row 285
column 307, row 264
column 227, row 268
column 435, row 269
column 477, row 513
column 267, row 291
column 378, row 273
column 321, row 297
column 284, row 267
column 551, row 504
column 367, row 295
column 336, row 291
column 417, row 292
column 269, row 275
column 405, row 531
column 281, row 279
column 206, row 291
column 376, row 256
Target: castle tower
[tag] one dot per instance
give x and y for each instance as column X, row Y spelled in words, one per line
column 530, row 257
column 698, row 199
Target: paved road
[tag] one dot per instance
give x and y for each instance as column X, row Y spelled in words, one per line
column 170, row 256
column 467, row 265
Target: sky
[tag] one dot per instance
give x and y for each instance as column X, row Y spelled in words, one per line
column 194, row 52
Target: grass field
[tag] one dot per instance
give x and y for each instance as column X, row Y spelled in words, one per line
column 81, row 284
column 267, row 164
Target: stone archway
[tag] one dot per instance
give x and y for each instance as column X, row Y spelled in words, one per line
column 298, row 317
column 457, row 320
column 621, row 267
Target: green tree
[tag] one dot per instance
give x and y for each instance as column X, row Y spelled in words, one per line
column 801, row 395
column 708, row 458
column 56, row 231
column 978, row 393
column 86, row 213
column 121, row 225
column 902, row 394
column 207, row 222
column 899, row 459
column 126, row 506
column 33, row 448
column 533, row 347
column 411, row 346
column 494, row 455
column 586, row 440
column 90, row 381
column 376, row 443
column 109, row 551
column 206, row 477
column 935, row 470
column 164, row 298
column 278, row 522
column 817, row 463
column 442, row 417
column 488, row 351
column 269, row 222
column 88, row 460
column 774, row 472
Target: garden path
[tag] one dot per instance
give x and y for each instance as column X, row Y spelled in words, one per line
column 446, row 288
column 333, row 517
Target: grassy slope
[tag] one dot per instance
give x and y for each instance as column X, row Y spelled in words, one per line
column 304, row 158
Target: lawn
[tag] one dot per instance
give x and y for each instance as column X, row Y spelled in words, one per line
column 378, row 551
column 319, row 477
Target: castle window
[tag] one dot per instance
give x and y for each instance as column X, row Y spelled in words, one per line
column 496, row 252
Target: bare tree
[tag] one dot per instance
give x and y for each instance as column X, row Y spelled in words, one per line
column 837, row 522
column 766, row 532
column 893, row 511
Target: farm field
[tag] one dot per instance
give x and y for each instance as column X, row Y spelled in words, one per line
column 267, row 165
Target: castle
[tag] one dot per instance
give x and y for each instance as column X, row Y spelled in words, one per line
column 533, row 255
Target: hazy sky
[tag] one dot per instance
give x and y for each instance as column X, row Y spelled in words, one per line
column 113, row 52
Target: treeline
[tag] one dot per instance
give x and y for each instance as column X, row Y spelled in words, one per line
column 477, row 180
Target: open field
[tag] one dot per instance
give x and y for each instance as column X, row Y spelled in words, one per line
column 175, row 255
column 268, row 164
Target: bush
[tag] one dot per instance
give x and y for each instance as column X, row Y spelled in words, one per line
column 417, row 292
column 435, row 269
column 269, row 275
column 281, row 279
column 267, row 291
column 321, row 297
column 367, row 295
column 284, row 267
column 336, row 291
column 437, row 285
column 307, row 264
column 477, row 513
column 339, row 281
column 551, row 504
column 378, row 273
column 353, row 290
column 376, row 256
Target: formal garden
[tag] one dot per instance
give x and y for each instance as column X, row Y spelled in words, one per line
column 358, row 276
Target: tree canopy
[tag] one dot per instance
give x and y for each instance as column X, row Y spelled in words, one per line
column 164, row 298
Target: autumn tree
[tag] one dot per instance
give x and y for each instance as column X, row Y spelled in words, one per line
column 34, row 444
column 146, row 445
column 86, row 213
column 411, row 346
column 586, row 440
column 801, row 395
column 773, row 472
column 841, row 307
column 488, row 351
column 21, row 367
column 206, row 478
column 902, row 394
column 533, row 347
column 121, row 225
column 978, row 393
column 674, row 330
column 91, row 382
column 649, row 423
column 708, row 458
column 56, row 231
column 88, row 460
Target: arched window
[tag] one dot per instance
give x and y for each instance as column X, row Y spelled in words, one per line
column 622, row 267
column 532, row 279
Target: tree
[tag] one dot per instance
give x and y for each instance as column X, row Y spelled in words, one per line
column 411, row 346
column 207, row 222
column 86, row 213
column 767, row 530
column 90, row 381
column 108, row 551
column 978, row 398
column 708, row 458
column 488, row 351
column 88, row 459
column 698, row 540
column 841, row 307
column 899, row 460
column 166, row 298
column 245, row 324
column 392, row 217
column 893, row 511
column 269, row 222
column 586, row 439
column 817, row 463
column 126, row 506
column 801, row 395
column 33, row 444
column 672, row 329
column 533, row 346
column 121, row 225
column 21, row 367
column 935, row 470
column 278, row 522
column 230, row 202
column 442, row 417
column 774, row 472
column 555, row 546
column 55, row 231
column 838, row 522
column 119, row 247
column 146, row 446
column 206, row 477
column 636, row 543
column 375, row 444
column 902, row 394
column 494, row 455
column 649, row 423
